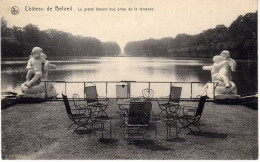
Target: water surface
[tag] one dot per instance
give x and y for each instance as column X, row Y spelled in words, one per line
column 129, row 68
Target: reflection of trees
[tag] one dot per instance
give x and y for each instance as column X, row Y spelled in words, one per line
column 18, row 42
column 190, row 73
column 150, row 70
column 12, row 80
column 246, row 75
column 69, row 75
column 240, row 38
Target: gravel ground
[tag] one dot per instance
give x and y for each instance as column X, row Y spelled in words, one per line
column 39, row 131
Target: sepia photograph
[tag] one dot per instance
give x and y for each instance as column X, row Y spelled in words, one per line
column 129, row 79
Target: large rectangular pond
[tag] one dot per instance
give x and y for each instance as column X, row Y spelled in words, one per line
column 129, row 68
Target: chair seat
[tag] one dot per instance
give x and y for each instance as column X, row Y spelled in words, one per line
column 186, row 117
column 136, row 125
column 97, row 104
column 169, row 104
column 79, row 116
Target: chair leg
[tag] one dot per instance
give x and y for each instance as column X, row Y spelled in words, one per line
column 167, row 131
column 188, row 126
column 70, row 126
column 93, row 127
column 76, row 129
column 88, row 130
column 95, row 111
column 122, row 121
column 195, row 125
column 155, row 128
column 176, row 129
column 185, row 126
column 102, row 130
column 103, row 111
column 170, row 131
column 110, row 131
column 162, row 110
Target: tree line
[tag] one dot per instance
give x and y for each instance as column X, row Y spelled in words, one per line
column 240, row 38
column 18, row 42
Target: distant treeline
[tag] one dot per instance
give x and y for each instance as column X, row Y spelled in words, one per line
column 240, row 39
column 18, row 42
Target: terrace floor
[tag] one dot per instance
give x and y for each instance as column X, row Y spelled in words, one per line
column 39, row 131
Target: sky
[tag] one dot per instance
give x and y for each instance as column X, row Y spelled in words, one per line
column 168, row 18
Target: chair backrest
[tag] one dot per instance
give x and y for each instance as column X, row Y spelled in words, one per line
column 122, row 91
column 91, row 94
column 200, row 107
column 148, row 93
column 175, row 94
column 67, row 105
column 75, row 98
column 139, row 112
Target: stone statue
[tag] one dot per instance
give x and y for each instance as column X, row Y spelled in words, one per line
column 221, row 73
column 38, row 68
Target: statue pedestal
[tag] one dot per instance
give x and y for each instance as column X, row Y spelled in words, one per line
column 41, row 91
column 222, row 90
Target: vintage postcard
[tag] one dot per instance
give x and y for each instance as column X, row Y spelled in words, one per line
column 129, row 79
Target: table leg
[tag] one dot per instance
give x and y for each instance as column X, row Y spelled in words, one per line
column 155, row 128
column 176, row 128
column 102, row 127
column 110, row 130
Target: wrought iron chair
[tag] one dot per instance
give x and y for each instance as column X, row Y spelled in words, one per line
column 79, row 119
column 76, row 102
column 154, row 118
column 137, row 120
column 93, row 100
column 148, row 93
column 172, row 104
column 188, row 121
column 191, row 110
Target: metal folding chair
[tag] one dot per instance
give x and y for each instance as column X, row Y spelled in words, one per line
column 79, row 119
column 172, row 104
column 76, row 102
column 148, row 93
column 188, row 121
column 93, row 100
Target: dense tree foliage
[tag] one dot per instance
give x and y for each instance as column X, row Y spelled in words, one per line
column 18, row 42
column 240, row 38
